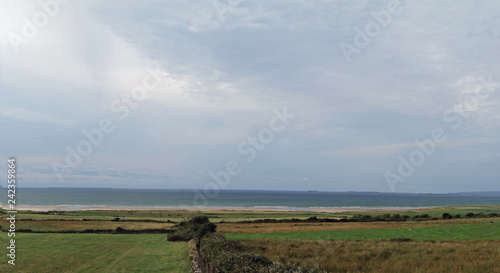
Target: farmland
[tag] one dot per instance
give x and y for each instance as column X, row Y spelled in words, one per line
column 96, row 253
column 382, row 256
column 373, row 241
column 436, row 232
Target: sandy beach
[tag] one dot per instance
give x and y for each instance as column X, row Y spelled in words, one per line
column 203, row 209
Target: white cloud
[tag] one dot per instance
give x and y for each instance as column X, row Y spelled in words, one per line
column 226, row 75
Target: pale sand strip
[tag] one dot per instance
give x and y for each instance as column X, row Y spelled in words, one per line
column 205, row 209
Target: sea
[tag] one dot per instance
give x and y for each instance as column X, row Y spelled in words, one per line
column 286, row 200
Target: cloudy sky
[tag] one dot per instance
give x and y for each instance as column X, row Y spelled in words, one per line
column 292, row 95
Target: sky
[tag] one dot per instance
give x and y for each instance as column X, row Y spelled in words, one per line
column 383, row 96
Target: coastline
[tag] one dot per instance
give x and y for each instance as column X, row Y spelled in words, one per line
column 45, row 208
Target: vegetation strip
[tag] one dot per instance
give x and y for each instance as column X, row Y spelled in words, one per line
column 444, row 232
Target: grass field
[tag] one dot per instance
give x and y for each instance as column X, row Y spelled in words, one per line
column 95, row 253
column 383, row 256
column 443, row 232
column 54, row 225
column 433, row 212
column 174, row 216
column 292, row 227
column 233, row 216
column 352, row 246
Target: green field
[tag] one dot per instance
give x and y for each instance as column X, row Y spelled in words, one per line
column 364, row 243
column 164, row 216
column 233, row 216
column 433, row 212
column 450, row 232
column 95, row 253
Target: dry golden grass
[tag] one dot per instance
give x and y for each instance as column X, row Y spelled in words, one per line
column 291, row 227
column 383, row 256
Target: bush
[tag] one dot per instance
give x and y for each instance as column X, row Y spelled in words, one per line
column 195, row 227
column 401, row 240
column 204, row 229
column 24, row 230
column 447, row 216
column 357, row 216
column 421, row 217
column 198, row 220
column 181, row 235
column 469, row 215
column 366, row 217
column 120, row 230
column 222, row 255
column 396, row 216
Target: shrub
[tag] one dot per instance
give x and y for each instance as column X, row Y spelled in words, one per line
column 120, row 230
column 401, row 240
column 366, row 217
column 447, row 216
column 198, row 220
column 469, row 215
column 357, row 216
column 204, row 229
column 181, row 235
column 24, row 230
column 421, row 217
column 222, row 255
column 396, row 216
column 195, row 227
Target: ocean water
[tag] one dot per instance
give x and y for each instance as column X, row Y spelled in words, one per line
column 237, row 198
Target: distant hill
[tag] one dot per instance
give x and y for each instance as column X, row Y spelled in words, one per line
column 482, row 193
